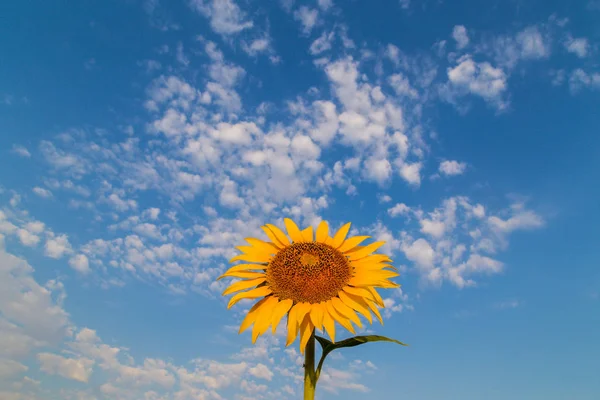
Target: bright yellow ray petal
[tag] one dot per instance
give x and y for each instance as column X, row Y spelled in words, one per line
column 346, row 311
column 358, row 291
column 282, row 308
column 339, row 318
column 356, row 303
column 365, row 251
column 375, row 267
column 243, row 274
column 303, row 309
column 339, row 237
column 250, row 294
column 292, row 325
column 293, row 230
column 243, row 268
column 244, row 284
column 316, row 315
column 251, row 315
column 253, row 258
column 375, row 274
column 352, row 242
column 308, row 234
column 276, row 242
column 279, row 234
column 306, row 329
column 264, row 318
column 329, row 325
column 374, row 258
column 322, row 232
column 373, row 308
column 378, row 300
column 263, row 246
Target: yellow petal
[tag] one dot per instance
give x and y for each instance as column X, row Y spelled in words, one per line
column 359, row 291
column 282, row 308
column 250, row 294
column 293, row 230
column 329, row 325
column 263, row 246
column 365, row 251
column 303, row 309
column 251, row 315
column 264, row 318
column 242, row 285
column 243, row 274
column 372, row 259
column 279, row 234
column 346, row 311
column 339, row 237
column 244, row 268
column 316, row 315
column 306, row 329
column 292, row 325
column 373, row 308
column 340, row 319
column 254, row 258
column 357, row 304
column 308, row 234
column 378, row 300
column 375, row 275
column 375, row 267
column 322, row 232
column 352, row 242
column 276, row 242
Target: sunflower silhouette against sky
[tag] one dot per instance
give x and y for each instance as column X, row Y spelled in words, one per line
column 314, row 279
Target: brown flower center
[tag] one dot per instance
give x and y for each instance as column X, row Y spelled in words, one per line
column 308, row 272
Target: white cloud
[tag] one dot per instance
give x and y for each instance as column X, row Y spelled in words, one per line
column 480, row 79
column 31, row 315
column 70, row 368
column 378, row 169
column 27, row 238
column 521, row 220
column 80, row 263
column 10, row 368
column 21, row 151
column 578, row 46
column 226, row 17
column 307, row 17
column 532, row 43
column 398, row 209
column 57, row 246
column 257, row 46
column 45, row 193
column 322, row 43
column 261, row 371
column 402, row 86
column 151, row 213
column 459, row 33
column 580, row 79
column 452, row 168
column 325, row 4
column 411, row 173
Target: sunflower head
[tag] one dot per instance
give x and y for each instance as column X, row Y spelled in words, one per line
column 312, row 278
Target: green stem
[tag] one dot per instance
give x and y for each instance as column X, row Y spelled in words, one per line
column 310, row 378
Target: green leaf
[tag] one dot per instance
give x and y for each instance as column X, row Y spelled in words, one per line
column 329, row 346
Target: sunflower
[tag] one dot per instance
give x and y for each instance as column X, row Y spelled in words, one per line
column 314, row 279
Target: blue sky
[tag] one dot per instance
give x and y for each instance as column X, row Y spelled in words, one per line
column 141, row 141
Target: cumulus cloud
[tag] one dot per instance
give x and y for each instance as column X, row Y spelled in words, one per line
column 226, row 17
column 45, row 193
column 459, row 34
column 451, row 167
